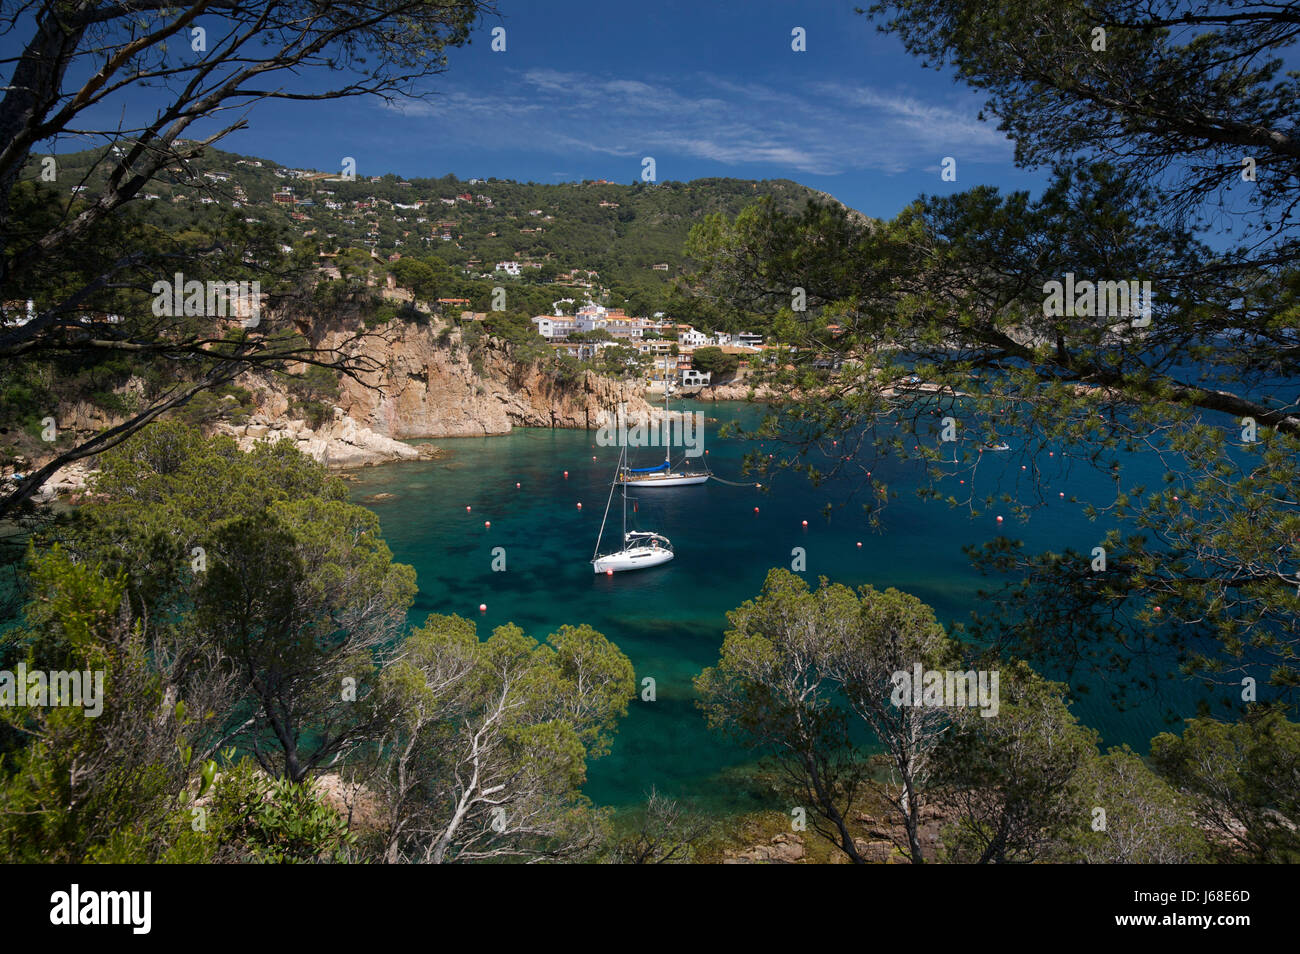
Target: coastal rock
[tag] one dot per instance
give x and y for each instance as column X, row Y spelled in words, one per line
column 340, row 443
column 877, row 852
column 735, row 391
column 784, row 849
column 71, row 480
column 429, row 386
column 359, row 806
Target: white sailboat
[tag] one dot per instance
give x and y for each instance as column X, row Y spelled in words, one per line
column 641, row 548
column 662, row 475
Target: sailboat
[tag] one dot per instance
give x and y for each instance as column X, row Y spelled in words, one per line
column 662, row 475
column 641, row 549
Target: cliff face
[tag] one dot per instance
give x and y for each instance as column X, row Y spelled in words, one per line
column 428, row 387
column 431, row 388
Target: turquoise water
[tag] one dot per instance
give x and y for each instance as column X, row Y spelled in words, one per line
column 670, row 620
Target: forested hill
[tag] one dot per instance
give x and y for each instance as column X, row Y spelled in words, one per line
column 620, row 231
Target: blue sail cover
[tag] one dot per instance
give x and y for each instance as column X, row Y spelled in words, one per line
column 647, row 470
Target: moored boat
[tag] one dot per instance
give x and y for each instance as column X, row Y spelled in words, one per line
column 641, row 548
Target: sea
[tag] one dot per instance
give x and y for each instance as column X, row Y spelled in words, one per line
column 544, row 492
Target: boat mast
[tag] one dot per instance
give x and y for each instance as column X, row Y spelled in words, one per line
column 624, row 485
column 595, row 553
column 668, row 431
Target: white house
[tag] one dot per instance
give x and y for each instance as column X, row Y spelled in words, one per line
column 554, row 327
column 690, row 338
column 510, row 268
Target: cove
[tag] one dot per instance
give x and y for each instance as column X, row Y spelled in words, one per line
column 670, row 620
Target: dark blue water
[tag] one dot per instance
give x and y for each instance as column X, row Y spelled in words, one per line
column 670, row 620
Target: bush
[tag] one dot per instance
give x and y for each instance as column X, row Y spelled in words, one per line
column 277, row 821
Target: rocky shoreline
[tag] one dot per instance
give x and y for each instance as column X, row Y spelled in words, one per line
column 427, row 386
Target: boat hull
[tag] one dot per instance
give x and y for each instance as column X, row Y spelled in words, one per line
column 633, row 558
column 666, row 480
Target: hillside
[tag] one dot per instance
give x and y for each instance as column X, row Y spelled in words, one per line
column 619, row 231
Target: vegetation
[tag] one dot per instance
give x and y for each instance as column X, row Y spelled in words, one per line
column 714, row 361
column 71, row 243
column 233, row 688
column 810, row 679
column 250, row 625
column 956, row 293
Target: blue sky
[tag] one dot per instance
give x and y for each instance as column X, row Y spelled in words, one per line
column 586, row 89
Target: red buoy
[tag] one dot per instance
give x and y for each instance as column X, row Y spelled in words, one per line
column 859, row 544
column 482, row 607
column 755, row 510
column 805, row 523
column 467, row 509
column 487, row 524
column 999, row 519
column 566, row 475
column 609, row 572
column 579, row 506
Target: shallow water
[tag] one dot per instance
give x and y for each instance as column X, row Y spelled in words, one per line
column 670, row 620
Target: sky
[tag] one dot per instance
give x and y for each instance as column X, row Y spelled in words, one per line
column 587, row 90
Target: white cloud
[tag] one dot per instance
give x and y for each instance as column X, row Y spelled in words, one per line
column 820, row 128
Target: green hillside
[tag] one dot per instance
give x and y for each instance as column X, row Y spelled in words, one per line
column 618, row 231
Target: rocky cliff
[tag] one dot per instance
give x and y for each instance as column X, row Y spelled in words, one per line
column 430, row 386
